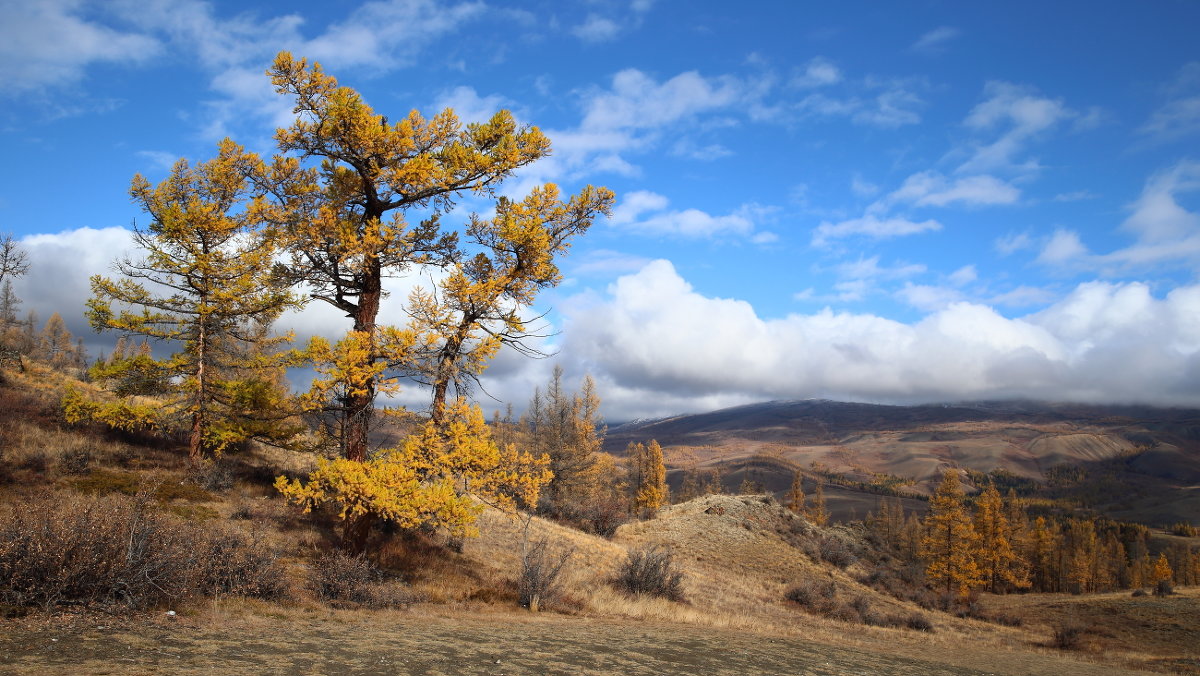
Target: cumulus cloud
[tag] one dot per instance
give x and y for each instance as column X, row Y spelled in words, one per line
column 1165, row 232
column 667, row 348
column 60, row 265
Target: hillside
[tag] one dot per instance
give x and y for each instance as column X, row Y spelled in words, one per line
column 742, row 558
column 1151, row 454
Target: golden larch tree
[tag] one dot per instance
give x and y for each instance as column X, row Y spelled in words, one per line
column 817, row 512
column 348, row 227
column 949, row 543
column 795, row 496
column 204, row 284
column 648, row 477
column 999, row 562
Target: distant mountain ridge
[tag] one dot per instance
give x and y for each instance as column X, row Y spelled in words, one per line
column 1149, row 456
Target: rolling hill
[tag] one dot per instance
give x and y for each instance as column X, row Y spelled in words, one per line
column 1132, row 462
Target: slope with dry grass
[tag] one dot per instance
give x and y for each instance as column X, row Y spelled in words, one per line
column 739, row 557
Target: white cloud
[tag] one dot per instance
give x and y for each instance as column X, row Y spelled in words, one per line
column 964, row 275
column 869, row 268
column 637, row 101
column 159, row 159
column 928, row 298
column 863, row 188
column 1012, row 243
column 872, row 227
column 1020, row 115
column 688, row 148
column 1023, row 296
column 935, row 40
column 1165, row 232
column 605, row 262
column 596, row 29
column 636, row 203
column 889, row 109
column 895, row 104
column 819, row 72
column 60, row 265
column 646, row 212
column 50, row 43
column 1064, row 247
column 468, row 105
column 1180, row 115
column 930, row 188
column 388, row 34
column 659, row 347
column 1157, row 215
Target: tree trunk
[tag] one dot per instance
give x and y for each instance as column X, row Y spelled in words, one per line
column 196, row 442
column 355, row 531
column 359, row 406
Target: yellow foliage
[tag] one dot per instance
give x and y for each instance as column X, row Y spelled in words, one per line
column 440, row 476
column 949, row 543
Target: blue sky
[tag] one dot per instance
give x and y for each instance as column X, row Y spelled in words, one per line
column 895, row 202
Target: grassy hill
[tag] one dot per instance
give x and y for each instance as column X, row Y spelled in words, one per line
column 1135, row 463
column 443, row 606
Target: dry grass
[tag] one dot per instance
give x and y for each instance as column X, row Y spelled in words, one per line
column 739, row 556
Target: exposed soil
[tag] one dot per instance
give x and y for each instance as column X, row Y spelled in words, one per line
column 320, row 642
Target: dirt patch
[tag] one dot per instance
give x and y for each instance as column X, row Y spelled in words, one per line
column 322, row 642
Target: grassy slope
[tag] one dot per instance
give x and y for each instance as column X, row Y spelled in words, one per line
column 737, row 553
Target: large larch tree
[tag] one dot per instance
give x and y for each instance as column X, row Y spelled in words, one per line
column 348, row 219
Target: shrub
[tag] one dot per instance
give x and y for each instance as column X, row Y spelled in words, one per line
column 817, row 597
column 604, row 517
column 115, row 550
column 212, row 475
column 540, row 571
column 340, row 578
column 237, row 565
column 652, row 572
column 36, row 461
column 836, row 551
column 1068, row 636
column 75, row 461
column 918, row 622
column 1163, row 588
column 1140, row 592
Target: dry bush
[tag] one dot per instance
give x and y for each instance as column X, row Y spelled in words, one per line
column 540, row 573
column 1163, row 588
column 816, row 597
column 212, row 475
column 651, row 571
column 116, row 550
column 1068, row 636
column 1139, row 593
column 344, row 579
column 76, row 461
column 918, row 622
column 835, row 550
